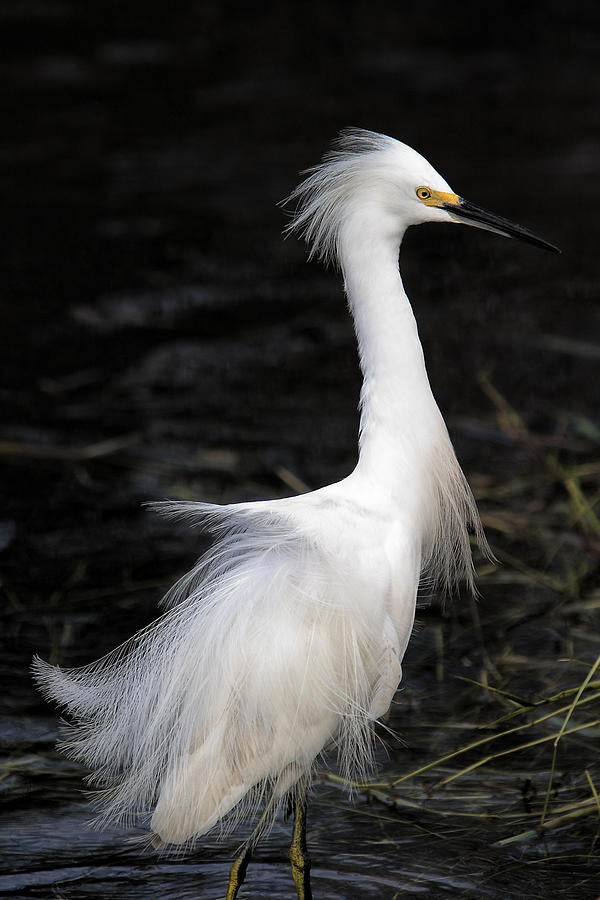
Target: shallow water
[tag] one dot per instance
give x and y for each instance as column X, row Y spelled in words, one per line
column 159, row 339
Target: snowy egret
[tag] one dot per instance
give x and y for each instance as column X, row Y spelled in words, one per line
column 287, row 637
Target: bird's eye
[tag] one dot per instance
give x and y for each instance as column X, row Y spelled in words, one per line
column 423, row 193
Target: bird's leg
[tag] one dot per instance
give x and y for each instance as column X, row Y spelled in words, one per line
column 238, row 872
column 299, row 857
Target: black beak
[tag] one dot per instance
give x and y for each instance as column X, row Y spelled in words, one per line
column 473, row 215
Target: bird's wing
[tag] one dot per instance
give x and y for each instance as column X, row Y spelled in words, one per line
column 273, row 647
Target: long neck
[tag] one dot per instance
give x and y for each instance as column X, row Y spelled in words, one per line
column 400, row 420
column 406, row 457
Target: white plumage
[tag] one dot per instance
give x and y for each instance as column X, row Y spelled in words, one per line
column 287, row 637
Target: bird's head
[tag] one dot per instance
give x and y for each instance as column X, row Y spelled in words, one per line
column 369, row 178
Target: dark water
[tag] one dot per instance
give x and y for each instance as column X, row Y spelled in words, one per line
column 159, row 339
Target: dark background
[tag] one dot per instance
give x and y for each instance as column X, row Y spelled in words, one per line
column 158, row 338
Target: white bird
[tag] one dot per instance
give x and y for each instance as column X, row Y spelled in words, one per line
column 287, row 637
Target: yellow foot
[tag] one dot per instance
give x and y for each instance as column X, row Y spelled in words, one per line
column 301, row 874
column 299, row 857
column 238, row 873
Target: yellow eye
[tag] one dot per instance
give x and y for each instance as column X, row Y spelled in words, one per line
column 423, row 193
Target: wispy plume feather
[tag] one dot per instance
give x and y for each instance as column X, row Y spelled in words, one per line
column 228, row 698
column 321, row 200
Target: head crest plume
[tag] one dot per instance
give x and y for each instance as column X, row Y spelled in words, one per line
column 321, row 199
